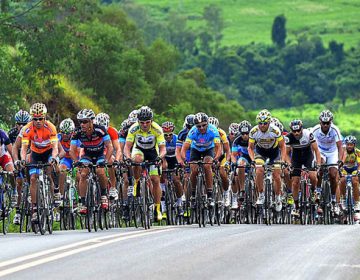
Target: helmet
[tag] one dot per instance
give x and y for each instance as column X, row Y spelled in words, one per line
column 38, row 110
column 326, row 116
column 67, row 126
column 133, row 114
column 145, row 114
column 124, row 124
column 86, row 114
column 200, row 117
column 350, row 139
column 296, row 125
column 22, row 117
column 189, row 121
column 168, row 127
column 214, row 121
column 131, row 121
column 244, row 127
column 263, row 116
column 102, row 119
column 234, row 128
column 276, row 122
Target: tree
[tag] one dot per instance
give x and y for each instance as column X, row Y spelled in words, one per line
column 278, row 34
column 215, row 23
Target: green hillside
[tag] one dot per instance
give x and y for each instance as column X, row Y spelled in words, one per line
column 251, row 21
column 346, row 118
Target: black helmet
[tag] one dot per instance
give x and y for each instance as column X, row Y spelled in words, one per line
column 296, row 125
column 145, row 114
column 244, row 127
column 200, row 117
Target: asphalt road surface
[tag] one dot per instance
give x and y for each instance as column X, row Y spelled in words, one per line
column 186, row 252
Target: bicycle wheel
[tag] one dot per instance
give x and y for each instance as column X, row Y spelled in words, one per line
column 49, row 211
column 40, row 210
column 5, row 209
column 25, row 211
column 268, row 201
column 303, row 204
column 90, row 207
column 350, row 206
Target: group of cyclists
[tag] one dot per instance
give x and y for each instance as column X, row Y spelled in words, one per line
column 34, row 139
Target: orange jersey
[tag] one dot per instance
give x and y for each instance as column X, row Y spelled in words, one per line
column 41, row 139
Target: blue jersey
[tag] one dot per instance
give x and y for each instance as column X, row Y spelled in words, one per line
column 240, row 147
column 203, row 142
column 171, row 146
column 181, row 139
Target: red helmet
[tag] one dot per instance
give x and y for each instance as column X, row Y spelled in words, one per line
column 168, row 127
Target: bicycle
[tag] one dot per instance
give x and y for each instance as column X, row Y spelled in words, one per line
column 349, row 198
column 44, row 200
column 201, row 210
column 25, row 206
column 143, row 201
column 5, row 199
column 326, row 205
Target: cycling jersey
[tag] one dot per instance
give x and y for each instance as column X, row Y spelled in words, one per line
column 327, row 142
column 265, row 140
column 41, row 139
column 352, row 159
column 181, row 139
column 240, row 146
column 113, row 133
column 223, row 136
column 303, row 143
column 203, row 141
column 94, row 144
column 4, row 141
column 146, row 140
column 171, row 146
column 123, row 133
column 13, row 133
column 66, row 145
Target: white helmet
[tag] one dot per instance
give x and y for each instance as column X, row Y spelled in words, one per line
column 102, row 119
column 67, row 126
column 214, row 121
column 86, row 114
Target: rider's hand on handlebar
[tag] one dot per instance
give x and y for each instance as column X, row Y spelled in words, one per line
column 340, row 163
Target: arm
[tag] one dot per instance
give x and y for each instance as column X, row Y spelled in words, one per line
column 55, row 150
column 315, row 148
column 184, row 148
column 16, row 148
column 251, row 151
column 162, row 151
column 227, row 151
column 24, row 147
column 218, row 151
column 73, row 152
column 340, row 149
column 118, row 153
column 282, row 150
column 288, row 152
column 9, row 149
column 62, row 152
column 127, row 149
column 109, row 150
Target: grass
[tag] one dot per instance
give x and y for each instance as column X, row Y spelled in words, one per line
column 346, row 118
column 251, row 21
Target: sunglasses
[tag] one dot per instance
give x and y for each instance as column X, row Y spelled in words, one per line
column 145, row 122
column 21, row 123
column 84, row 121
column 37, row 119
column 263, row 123
column 168, row 134
column 325, row 123
column 201, row 125
column 244, row 133
column 296, row 131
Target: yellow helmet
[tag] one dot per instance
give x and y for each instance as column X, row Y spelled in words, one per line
column 263, row 116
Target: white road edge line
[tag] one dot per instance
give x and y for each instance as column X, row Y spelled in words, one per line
column 75, row 251
column 50, row 251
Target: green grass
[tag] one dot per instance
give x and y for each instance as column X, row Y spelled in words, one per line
column 251, row 21
column 346, row 118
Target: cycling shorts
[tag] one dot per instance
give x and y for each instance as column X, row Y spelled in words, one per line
column 36, row 158
column 149, row 155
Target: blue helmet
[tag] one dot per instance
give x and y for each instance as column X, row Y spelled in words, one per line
column 22, row 117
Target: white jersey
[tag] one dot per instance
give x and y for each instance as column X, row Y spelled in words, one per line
column 327, row 142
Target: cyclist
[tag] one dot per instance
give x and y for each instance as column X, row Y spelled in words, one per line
column 67, row 128
column 266, row 142
column 170, row 163
column 301, row 147
column 328, row 138
column 203, row 139
column 351, row 160
column 21, row 118
column 233, row 132
column 104, row 120
column 240, row 157
column 224, row 159
column 145, row 141
column 93, row 139
column 44, row 148
column 188, row 124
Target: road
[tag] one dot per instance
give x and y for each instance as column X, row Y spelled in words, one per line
column 186, row 252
